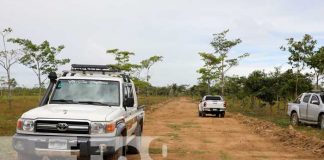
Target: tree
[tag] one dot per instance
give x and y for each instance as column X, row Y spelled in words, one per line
column 235, row 86
column 7, row 59
column 41, row 58
column 122, row 59
column 209, row 72
column 315, row 61
column 222, row 47
column 299, row 51
column 148, row 63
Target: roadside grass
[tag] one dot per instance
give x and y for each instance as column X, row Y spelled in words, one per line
column 276, row 116
column 224, row 156
column 200, row 152
column 151, row 100
column 207, row 141
column 21, row 104
column 173, row 136
column 9, row 116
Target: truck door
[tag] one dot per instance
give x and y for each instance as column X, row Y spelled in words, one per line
column 313, row 108
column 131, row 119
column 303, row 107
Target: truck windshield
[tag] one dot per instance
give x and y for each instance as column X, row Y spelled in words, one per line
column 94, row 92
column 214, row 98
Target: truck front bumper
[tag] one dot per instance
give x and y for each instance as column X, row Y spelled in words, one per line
column 75, row 146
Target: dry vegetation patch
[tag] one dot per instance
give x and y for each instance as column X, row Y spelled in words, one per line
column 287, row 136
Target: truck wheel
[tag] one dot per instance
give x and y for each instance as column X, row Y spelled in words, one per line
column 203, row 114
column 222, row 115
column 199, row 113
column 135, row 145
column 321, row 121
column 294, row 119
column 115, row 156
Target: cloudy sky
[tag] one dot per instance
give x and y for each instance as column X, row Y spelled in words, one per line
column 175, row 29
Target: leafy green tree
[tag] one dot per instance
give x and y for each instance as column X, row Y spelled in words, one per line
column 136, row 70
column 122, row 58
column 209, row 73
column 299, row 51
column 235, row 86
column 316, row 62
column 7, row 59
column 41, row 58
column 148, row 63
column 222, row 46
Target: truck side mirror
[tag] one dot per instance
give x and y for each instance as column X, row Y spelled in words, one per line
column 129, row 102
column 315, row 102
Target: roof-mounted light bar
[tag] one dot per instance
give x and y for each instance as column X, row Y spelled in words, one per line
column 110, row 69
column 86, row 67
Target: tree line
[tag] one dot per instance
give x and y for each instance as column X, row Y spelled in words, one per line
column 305, row 58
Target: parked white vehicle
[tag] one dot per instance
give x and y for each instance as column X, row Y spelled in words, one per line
column 308, row 108
column 90, row 111
column 212, row 105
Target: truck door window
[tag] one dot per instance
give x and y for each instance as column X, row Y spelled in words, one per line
column 314, row 98
column 298, row 99
column 130, row 92
column 306, row 98
column 125, row 92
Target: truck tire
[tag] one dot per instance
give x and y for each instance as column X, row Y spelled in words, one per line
column 222, row 115
column 115, row 156
column 199, row 113
column 136, row 143
column 203, row 114
column 121, row 151
column 321, row 121
column 294, row 120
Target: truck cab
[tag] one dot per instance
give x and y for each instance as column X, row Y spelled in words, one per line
column 92, row 110
column 307, row 108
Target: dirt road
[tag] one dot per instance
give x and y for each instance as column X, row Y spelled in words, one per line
column 188, row 136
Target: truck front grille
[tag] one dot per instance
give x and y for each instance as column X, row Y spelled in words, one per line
column 72, row 127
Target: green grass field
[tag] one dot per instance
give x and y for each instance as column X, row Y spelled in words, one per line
column 21, row 104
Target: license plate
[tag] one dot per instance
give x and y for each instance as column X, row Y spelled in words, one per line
column 57, row 144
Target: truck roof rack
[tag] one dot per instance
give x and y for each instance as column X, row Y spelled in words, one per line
column 109, row 69
column 86, row 67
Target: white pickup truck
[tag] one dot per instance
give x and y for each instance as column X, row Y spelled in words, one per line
column 307, row 108
column 212, row 105
column 91, row 112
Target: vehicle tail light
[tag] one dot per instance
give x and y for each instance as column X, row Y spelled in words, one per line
column 225, row 104
column 205, row 104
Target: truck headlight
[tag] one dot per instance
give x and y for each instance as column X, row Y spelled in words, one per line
column 102, row 127
column 26, row 125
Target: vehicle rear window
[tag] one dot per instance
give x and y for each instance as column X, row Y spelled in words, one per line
column 322, row 97
column 214, row 98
